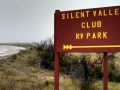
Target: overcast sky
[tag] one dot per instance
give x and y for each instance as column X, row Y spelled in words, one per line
column 33, row 20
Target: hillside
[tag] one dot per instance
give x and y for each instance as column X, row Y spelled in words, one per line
column 23, row 72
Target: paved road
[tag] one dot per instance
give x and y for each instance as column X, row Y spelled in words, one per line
column 6, row 50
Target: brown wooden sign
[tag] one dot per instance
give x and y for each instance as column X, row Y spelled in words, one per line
column 88, row 30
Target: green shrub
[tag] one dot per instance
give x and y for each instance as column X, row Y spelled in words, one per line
column 14, row 57
column 89, row 87
column 97, row 70
column 31, row 61
column 113, row 73
column 10, row 72
column 65, row 66
column 24, row 79
column 2, row 68
column 34, row 70
column 2, row 88
column 47, row 59
column 40, row 85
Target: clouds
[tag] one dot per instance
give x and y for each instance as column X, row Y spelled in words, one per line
column 33, row 20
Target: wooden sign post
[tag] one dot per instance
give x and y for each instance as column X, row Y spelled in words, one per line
column 105, row 76
column 56, row 81
column 86, row 30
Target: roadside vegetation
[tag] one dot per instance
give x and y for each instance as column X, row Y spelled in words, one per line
column 33, row 69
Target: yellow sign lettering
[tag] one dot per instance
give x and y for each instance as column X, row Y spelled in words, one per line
column 79, row 35
column 93, row 24
column 110, row 12
column 94, row 13
column 104, row 13
column 72, row 16
column 100, row 13
column 87, row 25
column 93, row 36
column 98, row 23
column 87, row 12
column 116, row 11
column 77, row 14
column 104, row 34
column 67, row 15
column 87, row 35
column 63, row 16
column 99, row 35
column 82, row 14
column 83, row 24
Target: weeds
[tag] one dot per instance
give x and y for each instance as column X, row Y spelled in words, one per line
column 34, row 70
column 23, row 72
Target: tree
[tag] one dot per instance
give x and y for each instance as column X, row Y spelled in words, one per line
column 83, row 69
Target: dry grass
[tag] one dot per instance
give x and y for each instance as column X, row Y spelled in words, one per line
column 18, row 74
column 111, row 85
